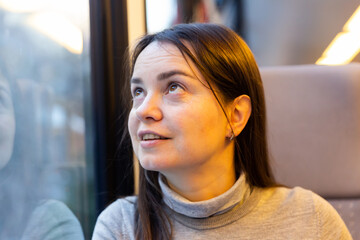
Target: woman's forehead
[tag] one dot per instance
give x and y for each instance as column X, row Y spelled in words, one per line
column 160, row 51
column 163, row 55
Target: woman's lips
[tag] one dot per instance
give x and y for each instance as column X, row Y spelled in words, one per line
column 152, row 143
column 149, row 139
column 148, row 135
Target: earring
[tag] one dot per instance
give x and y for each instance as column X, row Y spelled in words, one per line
column 232, row 137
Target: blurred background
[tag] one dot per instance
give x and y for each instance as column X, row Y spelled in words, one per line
column 60, row 83
column 279, row 32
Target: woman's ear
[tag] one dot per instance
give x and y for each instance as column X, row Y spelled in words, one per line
column 240, row 114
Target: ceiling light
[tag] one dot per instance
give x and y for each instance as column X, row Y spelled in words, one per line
column 346, row 45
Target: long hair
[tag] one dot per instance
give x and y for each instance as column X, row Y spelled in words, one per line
column 230, row 70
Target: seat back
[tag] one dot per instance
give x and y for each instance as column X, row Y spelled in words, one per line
column 314, row 132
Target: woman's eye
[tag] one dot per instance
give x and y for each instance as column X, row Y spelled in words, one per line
column 137, row 92
column 174, row 87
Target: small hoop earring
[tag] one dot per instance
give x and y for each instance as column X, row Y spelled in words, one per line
column 232, row 137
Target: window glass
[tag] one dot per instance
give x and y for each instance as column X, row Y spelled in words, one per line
column 46, row 180
column 160, row 14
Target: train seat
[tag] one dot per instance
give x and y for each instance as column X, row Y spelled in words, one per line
column 314, row 132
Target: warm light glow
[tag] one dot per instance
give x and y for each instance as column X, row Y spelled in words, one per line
column 21, row 5
column 342, row 49
column 353, row 24
column 136, row 21
column 59, row 29
column 346, row 45
column 159, row 14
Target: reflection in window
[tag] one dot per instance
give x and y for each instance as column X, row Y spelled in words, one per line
column 44, row 79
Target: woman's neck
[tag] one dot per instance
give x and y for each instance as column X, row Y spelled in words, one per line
column 203, row 183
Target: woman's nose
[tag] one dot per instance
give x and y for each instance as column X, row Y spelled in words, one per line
column 150, row 109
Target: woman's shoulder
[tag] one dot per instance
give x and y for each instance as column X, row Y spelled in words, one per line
column 117, row 220
column 300, row 197
column 122, row 206
column 284, row 200
column 296, row 195
column 308, row 208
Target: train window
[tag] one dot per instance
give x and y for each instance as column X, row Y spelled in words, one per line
column 160, row 14
column 46, row 168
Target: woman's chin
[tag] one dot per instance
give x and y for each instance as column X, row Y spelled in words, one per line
column 156, row 164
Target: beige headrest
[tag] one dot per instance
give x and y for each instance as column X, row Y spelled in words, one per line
column 314, row 127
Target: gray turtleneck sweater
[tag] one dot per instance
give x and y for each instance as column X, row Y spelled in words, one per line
column 239, row 213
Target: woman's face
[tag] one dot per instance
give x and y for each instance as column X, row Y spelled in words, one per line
column 176, row 122
column 7, row 123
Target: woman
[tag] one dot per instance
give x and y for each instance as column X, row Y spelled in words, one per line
column 197, row 126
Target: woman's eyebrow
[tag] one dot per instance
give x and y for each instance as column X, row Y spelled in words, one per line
column 166, row 75
column 162, row 76
column 136, row 80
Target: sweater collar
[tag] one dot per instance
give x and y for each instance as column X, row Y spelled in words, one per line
column 238, row 193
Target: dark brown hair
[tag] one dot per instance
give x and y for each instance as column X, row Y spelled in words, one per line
column 228, row 66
